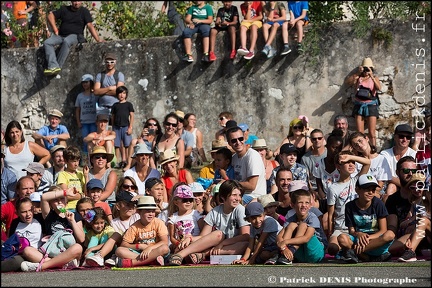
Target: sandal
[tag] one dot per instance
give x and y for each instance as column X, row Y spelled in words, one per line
column 196, row 258
column 175, row 260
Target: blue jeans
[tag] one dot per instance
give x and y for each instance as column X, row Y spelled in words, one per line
column 65, row 42
column 86, row 129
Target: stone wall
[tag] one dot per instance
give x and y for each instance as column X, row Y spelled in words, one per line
column 266, row 94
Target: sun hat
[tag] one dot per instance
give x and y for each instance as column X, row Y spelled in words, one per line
column 183, row 191
column 267, row 200
column 168, row 156
column 56, row 113
column 180, row 114
column 87, row 77
column 367, row 62
column 35, row 167
column 146, row 202
column 218, row 144
column 196, row 187
column 94, row 183
column 297, row 185
column 101, row 150
column 366, row 181
column 254, row 209
column 417, row 177
column 56, row 148
column 259, row 144
column 288, row 148
column 141, row 148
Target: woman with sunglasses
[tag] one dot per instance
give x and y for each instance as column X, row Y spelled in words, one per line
column 99, row 159
column 142, row 170
column 169, row 140
column 366, row 100
column 297, row 135
column 150, row 131
column 379, row 167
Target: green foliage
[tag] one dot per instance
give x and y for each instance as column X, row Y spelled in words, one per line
column 380, row 34
column 325, row 13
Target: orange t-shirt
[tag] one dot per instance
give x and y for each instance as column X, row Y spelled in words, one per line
column 19, row 6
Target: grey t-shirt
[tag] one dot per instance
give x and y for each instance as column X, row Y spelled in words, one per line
column 270, row 226
column 230, row 223
column 108, row 100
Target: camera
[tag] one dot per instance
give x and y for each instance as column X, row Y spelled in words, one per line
column 366, row 69
column 151, row 131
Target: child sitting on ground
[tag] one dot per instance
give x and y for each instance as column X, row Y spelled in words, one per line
column 146, row 240
column 262, row 242
column 94, row 190
column 302, row 238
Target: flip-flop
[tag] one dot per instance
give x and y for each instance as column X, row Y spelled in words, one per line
column 196, row 258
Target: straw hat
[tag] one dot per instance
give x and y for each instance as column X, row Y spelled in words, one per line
column 101, row 150
column 217, row 144
column 267, row 200
column 168, row 156
column 56, row 113
column 146, row 202
column 180, row 114
column 367, row 62
column 259, row 144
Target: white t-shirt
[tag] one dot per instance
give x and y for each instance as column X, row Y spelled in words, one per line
column 32, row 231
column 186, row 224
column 249, row 165
column 391, row 159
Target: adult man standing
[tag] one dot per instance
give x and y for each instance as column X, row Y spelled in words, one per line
column 248, row 166
column 106, row 84
column 73, row 20
column 313, row 156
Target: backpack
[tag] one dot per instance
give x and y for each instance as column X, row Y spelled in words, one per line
column 10, row 247
column 59, row 242
column 116, row 77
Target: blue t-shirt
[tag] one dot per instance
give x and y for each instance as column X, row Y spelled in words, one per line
column 365, row 221
column 48, row 130
column 297, row 7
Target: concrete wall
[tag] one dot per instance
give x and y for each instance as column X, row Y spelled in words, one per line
column 266, row 94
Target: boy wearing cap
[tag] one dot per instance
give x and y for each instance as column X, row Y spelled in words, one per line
column 94, row 190
column 366, row 220
column 262, row 246
column 208, row 171
column 85, row 109
column 401, row 148
column 53, row 134
column 146, row 240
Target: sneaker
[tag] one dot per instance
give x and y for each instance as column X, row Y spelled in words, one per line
column 212, row 56
column 408, row 256
column 205, row 58
column 110, row 262
column 271, row 53
column 383, row 257
column 266, row 50
column 286, row 50
column 249, row 56
column 27, row 266
column 48, row 72
column 71, row 264
column 124, row 263
column 272, row 260
column 300, row 48
column 188, row 58
column 233, row 54
column 95, row 260
column 242, row 51
column 349, row 256
column 56, row 71
column 283, row 260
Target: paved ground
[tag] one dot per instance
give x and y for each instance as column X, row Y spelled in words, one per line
column 417, row 274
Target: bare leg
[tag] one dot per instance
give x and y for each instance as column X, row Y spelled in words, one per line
column 299, row 26
column 206, row 41
column 253, row 37
column 188, row 45
column 213, row 35
column 371, row 120
column 359, row 123
column 243, row 36
column 232, row 34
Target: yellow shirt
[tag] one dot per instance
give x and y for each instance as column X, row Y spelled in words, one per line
column 73, row 180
